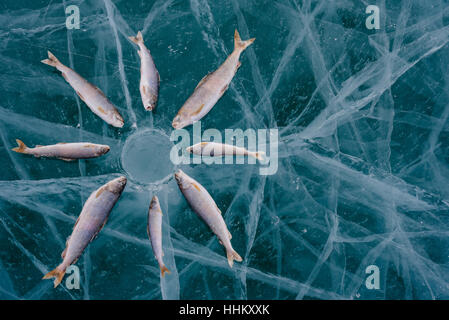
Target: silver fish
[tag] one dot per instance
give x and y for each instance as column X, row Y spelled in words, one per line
column 210, row 89
column 214, row 149
column 204, row 206
column 91, row 220
column 154, row 229
column 64, row 151
column 90, row 94
column 149, row 76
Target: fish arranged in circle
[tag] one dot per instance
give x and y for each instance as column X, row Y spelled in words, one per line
column 97, row 208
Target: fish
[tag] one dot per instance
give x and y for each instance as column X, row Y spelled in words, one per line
column 214, row 149
column 64, row 151
column 149, row 76
column 91, row 220
column 210, row 89
column 92, row 96
column 154, row 230
column 205, row 207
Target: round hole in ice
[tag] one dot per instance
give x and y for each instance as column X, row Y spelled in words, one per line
column 146, row 156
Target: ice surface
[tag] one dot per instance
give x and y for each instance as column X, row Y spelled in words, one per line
column 146, row 156
column 363, row 171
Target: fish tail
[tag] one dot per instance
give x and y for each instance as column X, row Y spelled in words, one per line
column 21, row 146
column 259, row 155
column 57, row 273
column 137, row 39
column 52, row 60
column 239, row 44
column 164, row 270
column 232, row 255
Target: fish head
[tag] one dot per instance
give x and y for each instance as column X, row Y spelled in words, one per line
column 197, row 148
column 183, row 180
column 154, row 202
column 104, row 149
column 180, row 177
column 101, row 149
column 117, row 120
column 149, row 101
column 117, row 185
column 180, row 122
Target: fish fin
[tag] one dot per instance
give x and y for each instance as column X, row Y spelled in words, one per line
column 21, row 146
column 137, row 39
column 76, row 222
column 64, row 253
column 230, row 235
column 67, row 159
column 99, row 192
column 199, row 110
column 79, row 94
column 239, row 64
column 219, row 241
column 259, row 155
column 239, row 44
column 52, row 60
column 164, row 270
column 96, row 233
column 100, row 109
column 232, row 255
column 65, row 77
column 203, row 80
column 66, row 245
column 57, row 273
column 102, row 226
column 224, row 89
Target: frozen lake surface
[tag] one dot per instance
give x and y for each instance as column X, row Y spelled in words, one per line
column 363, row 170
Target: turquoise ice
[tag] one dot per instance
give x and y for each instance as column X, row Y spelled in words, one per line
column 363, row 170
